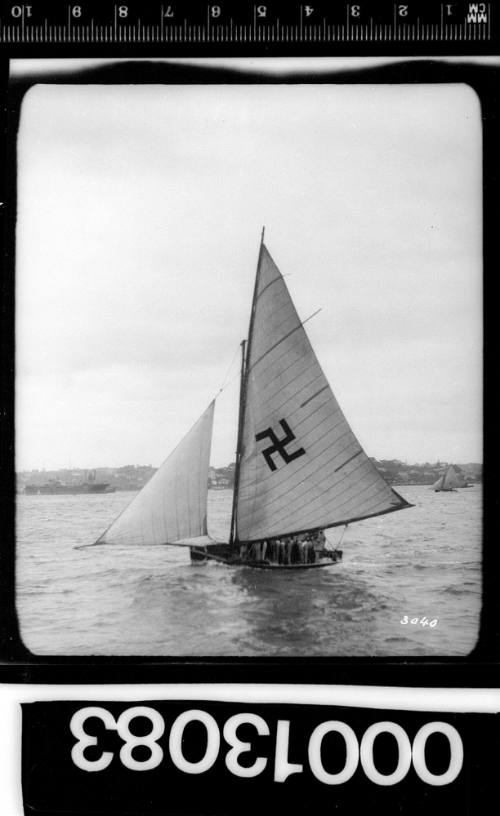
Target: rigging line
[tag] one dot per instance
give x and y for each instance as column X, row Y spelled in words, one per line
column 224, row 381
column 311, row 316
column 230, row 382
column 343, row 534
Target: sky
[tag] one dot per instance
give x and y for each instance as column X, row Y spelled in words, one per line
column 140, row 209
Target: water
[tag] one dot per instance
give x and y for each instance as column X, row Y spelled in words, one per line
column 422, row 562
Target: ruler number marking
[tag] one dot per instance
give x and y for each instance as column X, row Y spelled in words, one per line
column 309, row 25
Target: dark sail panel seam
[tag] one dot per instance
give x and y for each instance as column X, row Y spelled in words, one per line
column 322, row 421
column 290, row 378
column 312, row 459
column 285, row 493
column 285, row 337
column 294, row 395
column 351, row 499
column 281, row 517
column 269, row 315
column 347, row 461
column 267, row 287
column 373, row 509
column 310, row 351
column 374, row 505
column 272, row 314
column 330, row 488
column 285, row 390
column 303, row 404
column 326, row 524
column 316, row 410
column 275, row 360
column 322, row 496
column 274, row 364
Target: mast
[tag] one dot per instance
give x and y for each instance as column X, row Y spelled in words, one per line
column 238, row 447
column 245, row 344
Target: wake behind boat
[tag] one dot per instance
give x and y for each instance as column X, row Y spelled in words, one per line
column 299, row 467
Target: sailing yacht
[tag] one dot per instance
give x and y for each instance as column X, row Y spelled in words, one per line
column 299, row 467
column 449, row 481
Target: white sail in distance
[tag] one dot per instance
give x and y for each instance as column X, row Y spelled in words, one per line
column 172, row 506
column 301, row 466
column 449, row 480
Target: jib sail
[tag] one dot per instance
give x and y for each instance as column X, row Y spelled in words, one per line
column 172, row 506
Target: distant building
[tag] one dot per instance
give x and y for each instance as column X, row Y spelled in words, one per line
column 134, row 477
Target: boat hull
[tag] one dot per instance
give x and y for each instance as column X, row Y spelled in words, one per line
column 224, row 554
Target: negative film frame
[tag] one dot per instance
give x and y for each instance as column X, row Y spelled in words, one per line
column 481, row 667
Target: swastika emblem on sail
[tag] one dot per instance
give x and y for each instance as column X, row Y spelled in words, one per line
column 279, row 445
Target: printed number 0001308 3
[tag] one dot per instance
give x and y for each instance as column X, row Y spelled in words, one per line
column 409, row 753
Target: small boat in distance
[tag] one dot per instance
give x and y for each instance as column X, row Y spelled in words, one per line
column 449, row 481
column 299, row 467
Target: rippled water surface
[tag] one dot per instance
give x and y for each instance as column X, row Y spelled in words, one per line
column 425, row 561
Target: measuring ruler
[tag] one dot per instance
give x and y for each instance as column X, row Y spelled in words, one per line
column 248, row 24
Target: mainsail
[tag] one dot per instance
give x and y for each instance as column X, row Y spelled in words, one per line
column 300, row 465
column 449, row 480
column 172, row 506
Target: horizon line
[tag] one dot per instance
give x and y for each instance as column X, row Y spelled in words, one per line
column 218, row 467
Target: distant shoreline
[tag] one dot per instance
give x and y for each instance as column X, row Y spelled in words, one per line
column 134, row 477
